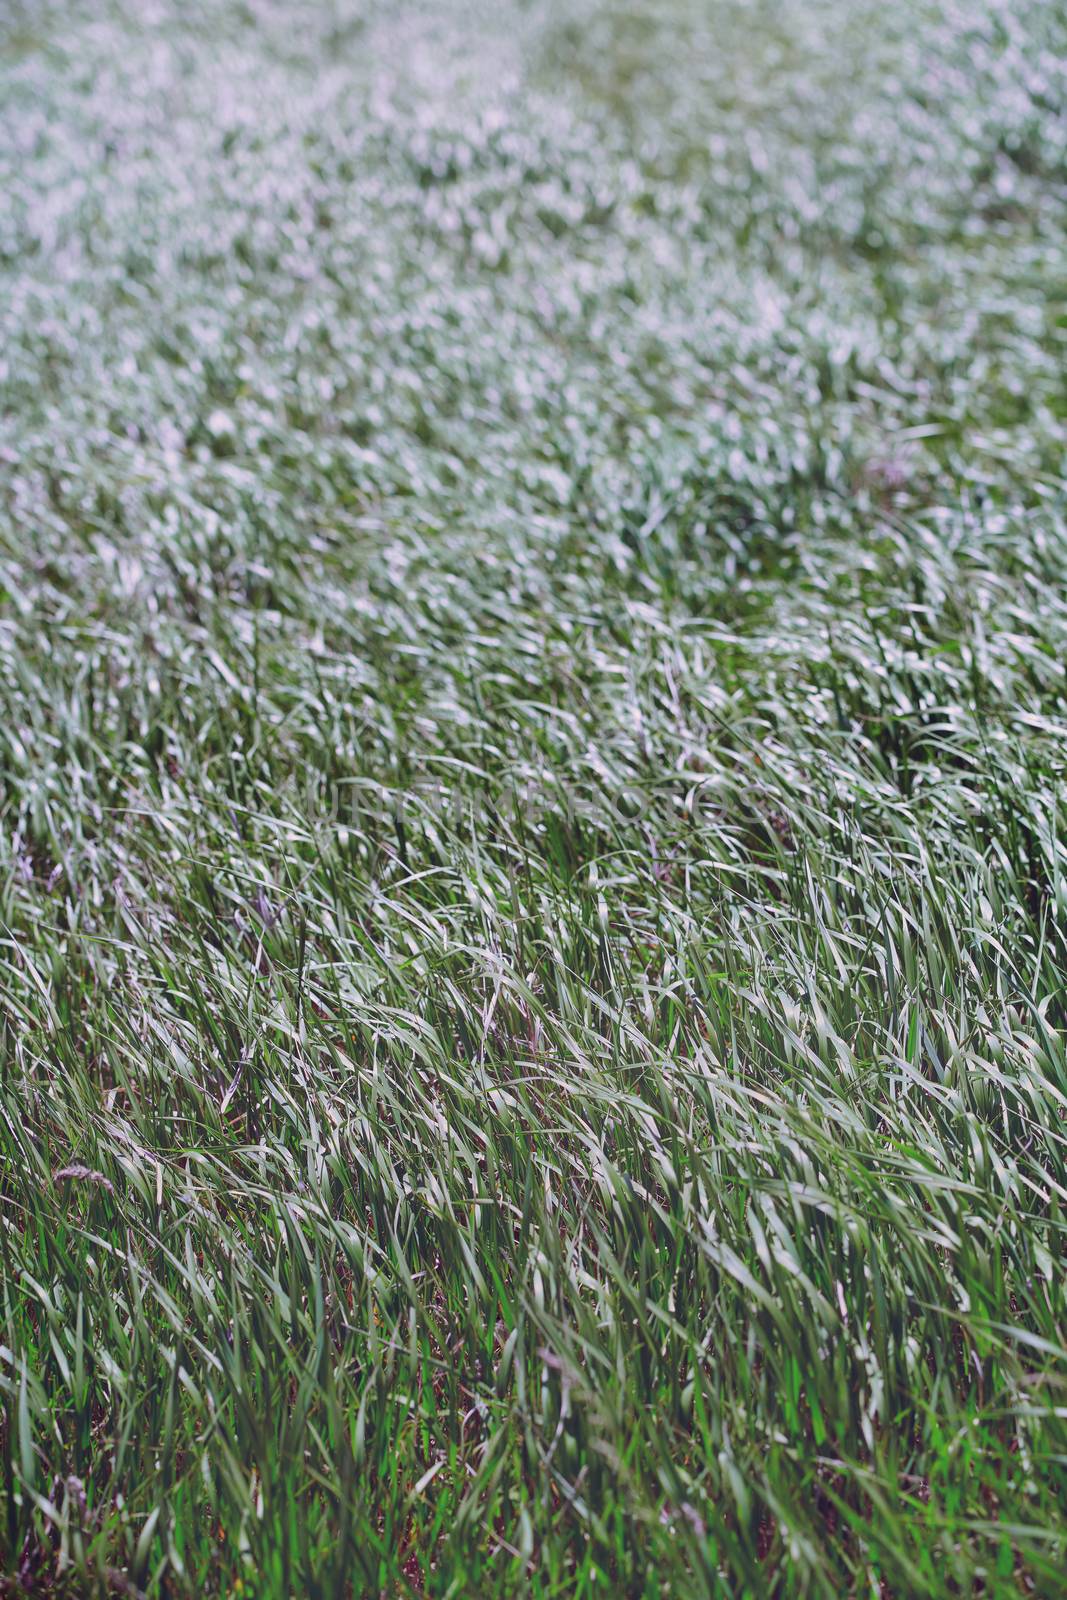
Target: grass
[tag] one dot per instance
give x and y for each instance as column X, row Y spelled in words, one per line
column 533, row 839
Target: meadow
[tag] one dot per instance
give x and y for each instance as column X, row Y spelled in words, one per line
column 533, row 799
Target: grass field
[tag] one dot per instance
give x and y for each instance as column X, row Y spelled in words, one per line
column 533, row 838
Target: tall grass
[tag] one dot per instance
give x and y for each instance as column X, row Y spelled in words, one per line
column 533, row 915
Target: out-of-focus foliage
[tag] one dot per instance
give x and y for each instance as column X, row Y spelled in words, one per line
column 533, row 889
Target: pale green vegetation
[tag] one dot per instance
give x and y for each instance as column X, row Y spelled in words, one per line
column 533, row 841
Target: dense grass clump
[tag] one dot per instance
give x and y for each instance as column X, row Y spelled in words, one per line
column 533, row 836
